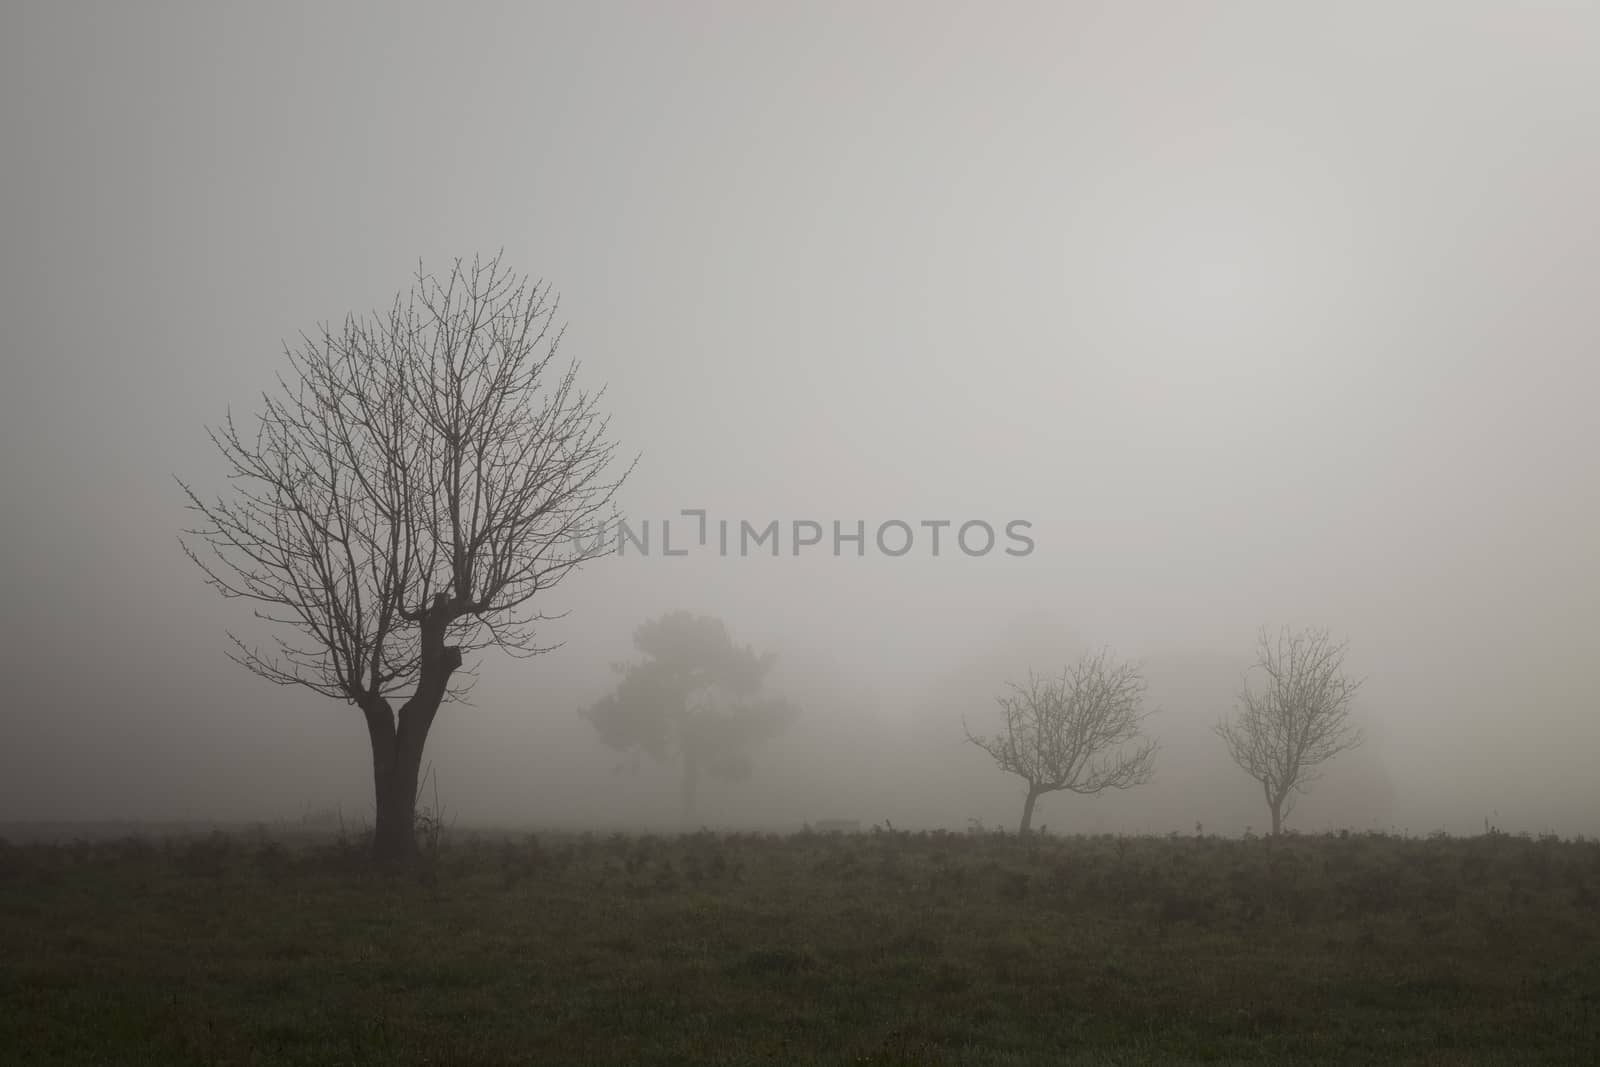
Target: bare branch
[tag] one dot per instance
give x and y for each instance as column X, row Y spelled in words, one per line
column 431, row 462
column 1079, row 732
column 1298, row 718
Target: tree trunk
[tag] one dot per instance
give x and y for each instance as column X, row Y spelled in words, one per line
column 1277, row 817
column 395, row 769
column 1027, row 813
column 398, row 741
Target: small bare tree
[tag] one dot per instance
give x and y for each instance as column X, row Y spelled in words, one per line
column 1299, row 718
column 418, row 480
column 1078, row 732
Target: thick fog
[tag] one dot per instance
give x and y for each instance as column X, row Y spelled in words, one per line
column 1257, row 313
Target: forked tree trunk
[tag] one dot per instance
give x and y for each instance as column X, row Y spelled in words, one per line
column 395, row 771
column 1027, row 813
column 398, row 741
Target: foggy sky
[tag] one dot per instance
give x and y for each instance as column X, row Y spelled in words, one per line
column 1260, row 313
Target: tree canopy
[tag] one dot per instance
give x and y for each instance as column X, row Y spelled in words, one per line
column 696, row 698
column 409, row 495
column 1298, row 718
column 1078, row 732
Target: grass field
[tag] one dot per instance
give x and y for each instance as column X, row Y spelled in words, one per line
column 885, row 947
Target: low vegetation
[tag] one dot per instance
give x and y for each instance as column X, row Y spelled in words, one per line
column 882, row 947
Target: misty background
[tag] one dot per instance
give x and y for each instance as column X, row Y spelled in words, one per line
column 1259, row 313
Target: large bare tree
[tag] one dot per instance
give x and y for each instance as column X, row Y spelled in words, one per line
column 1298, row 718
column 1079, row 732
column 417, row 482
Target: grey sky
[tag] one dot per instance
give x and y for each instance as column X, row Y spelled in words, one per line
column 1260, row 313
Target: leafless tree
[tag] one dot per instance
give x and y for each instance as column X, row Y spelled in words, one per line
column 1297, row 719
column 1078, row 732
column 418, row 479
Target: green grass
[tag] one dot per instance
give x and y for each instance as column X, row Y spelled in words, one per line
column 886, row 947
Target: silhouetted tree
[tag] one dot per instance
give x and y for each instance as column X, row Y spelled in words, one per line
column 1078, row 732
column 1298, row 718
column 419, row 478
column 696, row 699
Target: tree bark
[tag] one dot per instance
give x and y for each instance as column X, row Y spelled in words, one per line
column 395, row 771
column 1277, row 818
column 398, row 741
column 1027, row 813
